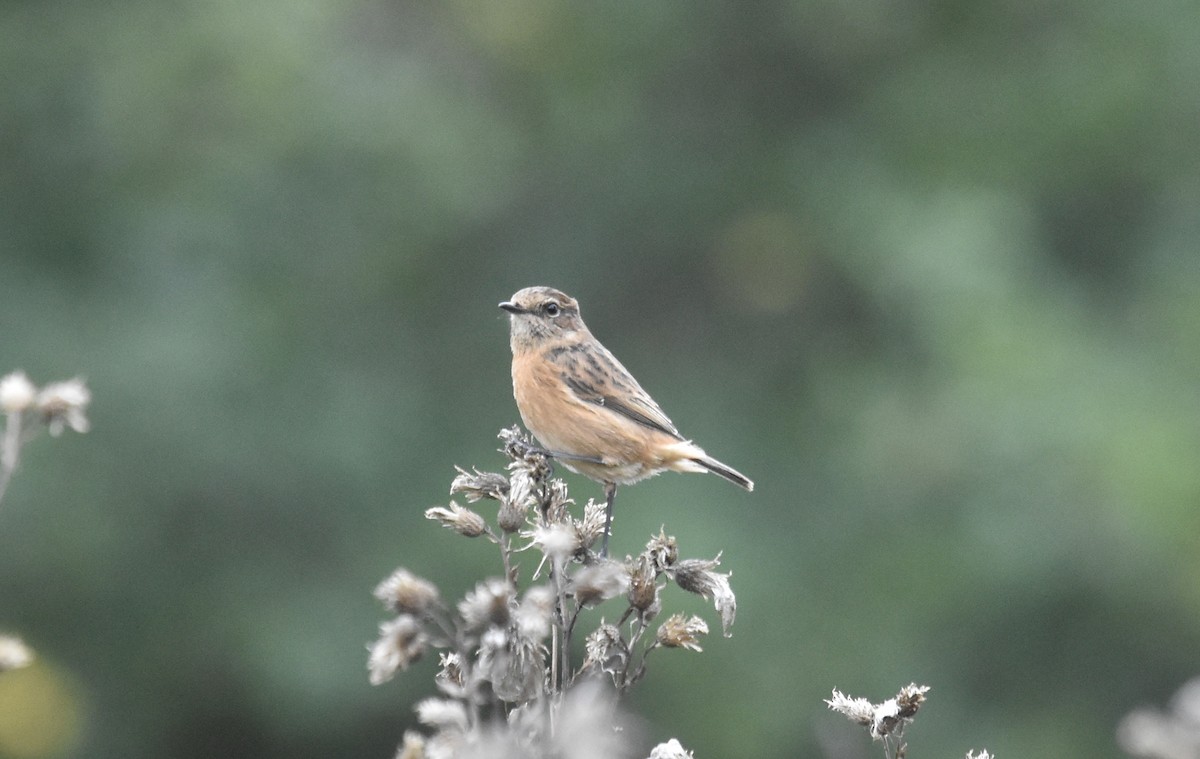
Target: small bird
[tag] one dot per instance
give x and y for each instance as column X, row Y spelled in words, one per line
column 585, row 407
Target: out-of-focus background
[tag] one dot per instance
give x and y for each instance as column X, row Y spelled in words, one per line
column 926, row 271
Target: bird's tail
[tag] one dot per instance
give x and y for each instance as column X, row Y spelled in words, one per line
column 721, row 470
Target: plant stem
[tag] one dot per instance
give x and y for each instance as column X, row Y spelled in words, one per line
column 10, row 450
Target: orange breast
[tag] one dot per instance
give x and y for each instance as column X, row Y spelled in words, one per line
column 564, row 423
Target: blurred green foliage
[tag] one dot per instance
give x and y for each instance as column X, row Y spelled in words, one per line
column 925, row 270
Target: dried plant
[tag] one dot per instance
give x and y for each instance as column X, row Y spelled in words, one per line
column 885, row 721
column 670, row 750
column 14, row 654
column 1173, row 733
column 27, row 411
column 518, row 677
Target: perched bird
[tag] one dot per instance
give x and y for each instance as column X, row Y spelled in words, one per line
column 585, row 408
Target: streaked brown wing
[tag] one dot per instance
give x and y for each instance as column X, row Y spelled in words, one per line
column 595, row 376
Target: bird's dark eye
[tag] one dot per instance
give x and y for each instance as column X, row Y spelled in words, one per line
column 552, row 309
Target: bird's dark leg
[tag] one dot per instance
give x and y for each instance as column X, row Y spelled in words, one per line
column 570, row 456
column 610, row 493
column 552, row 455
column 524, row 447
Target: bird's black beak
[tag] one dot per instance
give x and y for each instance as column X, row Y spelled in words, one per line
column 511, row 307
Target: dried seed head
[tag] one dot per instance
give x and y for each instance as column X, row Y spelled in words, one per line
column 17, row 393
column 1185, row 704
column 887, row 719
column 512, row 438
column 662, row 551
column 401, row 642
column 405, row 593
column 557, row 502
column 586, row 726
column 527, row 719
column 442, row 714
column 693, row 575
column 514, row 507
column 606, row 650
column 682, row 632
column 858, row 710
column 884, row 719
column 535, row 613
column 461, row 520
column 62, row 404
column 591, row 527
column 413, row 746
column 450, row 678
column 697, row 576
column 1173, row 732
column 14, row 654
column 672, row 749
column 516, row 504
column 557, row 541
column 599, row 582
column 524, row 454
column 514, row 666
column 446, row 744
column 476, row 485
column 490, row 603
column 643, row 590
column 510, row 517
column 909, row 700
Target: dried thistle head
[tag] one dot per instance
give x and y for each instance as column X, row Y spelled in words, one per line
column 599, row 582
column 401, row 642
column 885, row 719
column 446, row 744
column 490, row 603
column 909, row 700
column 413, row 746
column 644, row 588
column 514, row 507
column 590, row 528
column 606, row 650
column 476, row 485
column 62, row 404
column 557, row 502
column 680, row 631
column 535, row 614
column 588, row 726
column 514, row 666
column 1171, row 733
column 662, row 550
column 521, row 450
column 451, row 679
column 457, row 518
column 697, row 576
column 405, row 593
column 14, row 654
column 511, row 516
column 858, row 710
column 17, row 393
column 444, row 714
column 528, row 471
column 672, row 749
column 557, row 541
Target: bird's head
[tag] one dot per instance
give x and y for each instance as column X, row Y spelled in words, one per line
column 538, row 314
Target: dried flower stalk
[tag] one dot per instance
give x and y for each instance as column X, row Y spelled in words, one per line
column 512, row 680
